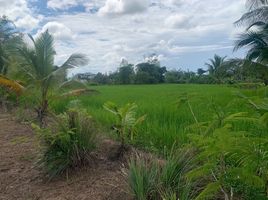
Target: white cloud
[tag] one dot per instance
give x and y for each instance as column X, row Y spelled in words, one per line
column 179, row 21
column 176, row 30
column 28, row 22
column 58, row 30
column 62, row 4
column 112, row 7
column 19, row 12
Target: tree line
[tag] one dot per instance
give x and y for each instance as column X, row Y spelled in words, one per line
column 218, row 70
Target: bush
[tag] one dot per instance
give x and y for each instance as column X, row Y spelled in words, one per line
column 67, row 144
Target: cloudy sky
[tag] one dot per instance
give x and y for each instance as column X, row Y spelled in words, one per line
column 183, row 33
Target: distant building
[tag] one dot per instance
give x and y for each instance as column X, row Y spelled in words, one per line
column 85, row 76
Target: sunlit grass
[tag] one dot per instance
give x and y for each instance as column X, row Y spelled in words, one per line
column 165, row 122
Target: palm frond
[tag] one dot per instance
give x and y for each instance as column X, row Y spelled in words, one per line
column 250, row 39
column 44, row 52
column 75, row 60
column 11, row 85
column 253, row 16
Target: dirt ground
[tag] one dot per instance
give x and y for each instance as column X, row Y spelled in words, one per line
column 21, row 180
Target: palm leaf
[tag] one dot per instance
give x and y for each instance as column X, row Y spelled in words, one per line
column 11, row 85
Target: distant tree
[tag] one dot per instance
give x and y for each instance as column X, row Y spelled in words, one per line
column 101, row 78
column 150, row 71
column 216, row 67
column 114, row 77
column 126, row 72
column 201, row 71
column 172, row 76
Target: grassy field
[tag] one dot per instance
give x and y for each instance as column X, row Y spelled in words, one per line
column 165, row 122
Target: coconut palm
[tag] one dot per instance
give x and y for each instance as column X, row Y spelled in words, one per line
column 255, row 38
column 257, row 13
column 7, row 34
column 37, row 63
column 215, row 66
column 257, row 43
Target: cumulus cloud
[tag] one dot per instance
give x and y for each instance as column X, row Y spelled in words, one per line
column 62, row 4
column 113, row 7
column 175, row 30
column 179, row 21
column 19, row 12
column 58, row 30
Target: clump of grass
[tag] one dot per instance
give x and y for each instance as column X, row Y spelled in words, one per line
column 67, row 144
column 143, row 178
column 153, row 179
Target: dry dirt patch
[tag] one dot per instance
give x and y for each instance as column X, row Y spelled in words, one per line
column 20, row 180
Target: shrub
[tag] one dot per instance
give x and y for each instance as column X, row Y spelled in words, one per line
column 67, row 144
column 232, row 163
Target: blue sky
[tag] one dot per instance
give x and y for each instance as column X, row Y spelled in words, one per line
column 183, row 33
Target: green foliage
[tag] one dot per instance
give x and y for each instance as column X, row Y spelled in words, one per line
column 67, row 144
column 37, row 64
column 216, row 67
column 233, row 161
column 126, row 120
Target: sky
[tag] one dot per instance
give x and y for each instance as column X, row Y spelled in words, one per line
column 184, row 34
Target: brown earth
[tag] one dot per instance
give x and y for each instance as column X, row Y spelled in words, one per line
column 21, row 180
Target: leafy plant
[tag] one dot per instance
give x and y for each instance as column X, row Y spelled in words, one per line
column 67, row 144
column 126, row 121
column 37, row 63
column 232, row 161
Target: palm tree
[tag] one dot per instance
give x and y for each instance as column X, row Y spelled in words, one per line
column 37, row 62
column 215, row 66
column 257, row 13
column 255, row 38
column 7, row 34
column 257, row 43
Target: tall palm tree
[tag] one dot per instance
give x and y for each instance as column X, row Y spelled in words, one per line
column 215, row 66
column 255, row 38
column 257, row 43
column 37, row 62
column 257, row 13
column 7, row 34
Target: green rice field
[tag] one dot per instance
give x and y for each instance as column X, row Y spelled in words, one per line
column 165, row 121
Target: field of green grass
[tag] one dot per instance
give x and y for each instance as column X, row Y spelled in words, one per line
column 165, row 122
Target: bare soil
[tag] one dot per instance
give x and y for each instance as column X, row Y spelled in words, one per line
column 21, row 180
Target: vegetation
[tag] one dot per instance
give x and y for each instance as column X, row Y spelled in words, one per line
column 126, row 123
column 203, row 141
column 67, row 144
column 37, row 63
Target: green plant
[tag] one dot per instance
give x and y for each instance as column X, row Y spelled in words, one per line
column 126, row 121
column 37, row 63
column 231, row 162
column 155, row 179
column 67, row 144
column 143, row 178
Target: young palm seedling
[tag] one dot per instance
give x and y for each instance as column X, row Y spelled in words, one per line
column 126, row 122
